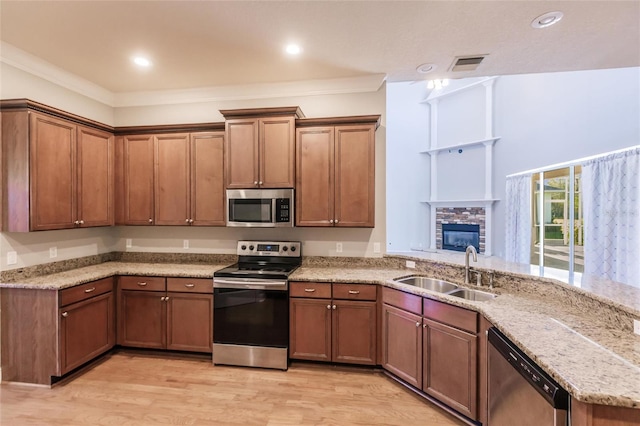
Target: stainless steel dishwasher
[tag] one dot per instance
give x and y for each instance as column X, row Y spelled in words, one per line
column 520, row 393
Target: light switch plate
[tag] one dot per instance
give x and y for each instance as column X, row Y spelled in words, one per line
column 53, row 252
column 376, row 247
column 338, row 247
column 411, row 264
column 128, row 242
column 12, row 258
column 185, row 244
column 636, row 326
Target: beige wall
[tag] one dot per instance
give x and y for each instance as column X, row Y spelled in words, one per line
column 33, row 248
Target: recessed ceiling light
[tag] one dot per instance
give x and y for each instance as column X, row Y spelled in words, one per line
column 547, row 19
column 293, row 49
column 142, row 62
column 425, row 68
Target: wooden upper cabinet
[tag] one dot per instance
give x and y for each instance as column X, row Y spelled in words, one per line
column 260, row 147
column 95, row 159
column 53, row 173
column 172, row 179
column 57, row 174
column 207, row 179
column 138, row 180
column 335, row 183
column 315, row 177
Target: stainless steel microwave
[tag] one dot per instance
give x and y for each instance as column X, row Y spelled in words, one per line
column 262, row 208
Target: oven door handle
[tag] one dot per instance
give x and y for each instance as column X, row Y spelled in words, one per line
column 250, row 284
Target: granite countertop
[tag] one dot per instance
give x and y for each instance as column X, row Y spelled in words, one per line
column 581, row 348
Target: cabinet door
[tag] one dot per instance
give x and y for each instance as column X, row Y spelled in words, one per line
column 172, row 189
column 402, row 344
column 310, row 329
column 189, row 322
column 241, row 151
column 142, row 319
column 87, row 329
column 138, row 180
column 450, row 366
column 314, row 176
column 95, row 159
column 277, row 152
column 355, row 176
column 53, row 173
column 207, row 179
column 354, row 332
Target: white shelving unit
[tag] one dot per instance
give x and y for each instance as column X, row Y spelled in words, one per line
column 434, row 149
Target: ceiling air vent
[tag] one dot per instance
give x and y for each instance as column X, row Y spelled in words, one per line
column 467, row 63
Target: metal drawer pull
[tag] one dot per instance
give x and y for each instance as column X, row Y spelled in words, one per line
column 328, row 306
column 190, row 285
column 89, row 290
column 354, row 291
column 309, row 290
column 334, row 307
column 65, row 314
column 142, row 284
column 417, row 324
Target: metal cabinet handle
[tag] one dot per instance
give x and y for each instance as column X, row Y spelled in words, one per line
column 186, row 220
column 166, row 298
column 418, row 324
column 65, row 314
column 255, row 182
column 190, row 220
column 331, row 221
column 150, row 220
column 190, row 285
column 354, row 292
column 336, row 221
column 424, row 325
column 77, row 222
column 260, row 183
column 89, row 290
column 162, row 298
column 309, row 290
column 142, row 284
column 82, row 222
column 328, row 306
column 334, row 307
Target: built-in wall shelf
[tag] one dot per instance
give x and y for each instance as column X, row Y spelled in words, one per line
column 485, row 142
column 433, row 96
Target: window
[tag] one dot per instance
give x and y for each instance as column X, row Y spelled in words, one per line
column 557, row 226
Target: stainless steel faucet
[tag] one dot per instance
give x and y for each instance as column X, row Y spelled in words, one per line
column 470, row 249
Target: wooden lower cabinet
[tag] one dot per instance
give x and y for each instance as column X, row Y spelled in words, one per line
column 402, row 344
column 151, row 317
column 333, row 330
column 450, row 366
column 87, row 329
column 583, row 414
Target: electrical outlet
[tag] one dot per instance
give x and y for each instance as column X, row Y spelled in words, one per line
column 411, row 264
column 128, row 242
column 376, row 247
column 636, row 326
column 53, row 252
column 185, row 244
column 338, row 247
column 12, row 258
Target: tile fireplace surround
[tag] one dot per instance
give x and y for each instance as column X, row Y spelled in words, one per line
column 463, row 216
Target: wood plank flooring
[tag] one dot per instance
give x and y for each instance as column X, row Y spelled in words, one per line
column 142, row 389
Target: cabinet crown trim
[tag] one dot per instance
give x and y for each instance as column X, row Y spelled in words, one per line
column 261, row 112
column 333, row 121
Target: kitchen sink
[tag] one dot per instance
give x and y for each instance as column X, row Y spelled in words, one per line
column 474, row 295
column 429, row 284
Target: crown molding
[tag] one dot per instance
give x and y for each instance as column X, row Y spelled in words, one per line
column 31, row 64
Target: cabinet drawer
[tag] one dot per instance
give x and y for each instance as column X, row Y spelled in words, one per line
column 454, row 316
column 402, row 300
column 190, row 285
column 85, row 291
column 142, row 283
column 354, row 291
column 311, row 290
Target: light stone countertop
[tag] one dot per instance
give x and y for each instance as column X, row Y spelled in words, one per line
column 594, row 360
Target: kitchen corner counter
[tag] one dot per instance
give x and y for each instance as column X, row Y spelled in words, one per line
column 87, row 274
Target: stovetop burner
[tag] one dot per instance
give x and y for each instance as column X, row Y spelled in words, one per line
column 264, row 259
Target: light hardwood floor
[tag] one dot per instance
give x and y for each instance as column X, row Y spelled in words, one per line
column 142, row 389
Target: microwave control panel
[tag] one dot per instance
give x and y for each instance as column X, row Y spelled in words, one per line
column 283, row 210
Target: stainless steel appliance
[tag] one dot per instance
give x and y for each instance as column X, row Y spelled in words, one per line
column 262, row 208
column 520, row 393
column 251, row 305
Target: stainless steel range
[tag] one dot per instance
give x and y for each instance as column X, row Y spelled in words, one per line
column 251, row 305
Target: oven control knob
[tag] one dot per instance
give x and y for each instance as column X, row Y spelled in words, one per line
column 293, row 248
column 251, row 248
column 285, row 248
column 243, row 247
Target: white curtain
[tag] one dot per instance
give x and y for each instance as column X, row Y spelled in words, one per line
column 518, row 219
column 611, row 200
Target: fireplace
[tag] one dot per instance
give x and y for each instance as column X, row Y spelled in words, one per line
column 456, row 236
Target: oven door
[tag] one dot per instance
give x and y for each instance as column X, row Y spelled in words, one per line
column 251, row 312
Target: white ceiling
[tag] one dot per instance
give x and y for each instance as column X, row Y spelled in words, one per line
column 220, row 43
